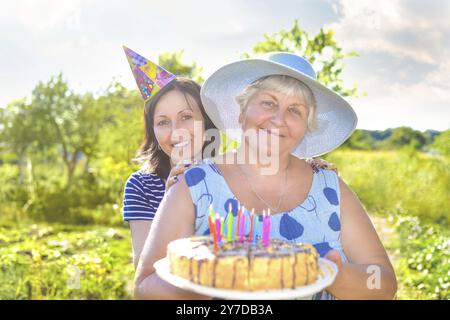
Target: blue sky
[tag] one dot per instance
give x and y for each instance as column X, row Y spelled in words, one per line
column 404, row 45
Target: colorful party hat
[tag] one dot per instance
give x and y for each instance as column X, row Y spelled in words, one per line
column 150, row 77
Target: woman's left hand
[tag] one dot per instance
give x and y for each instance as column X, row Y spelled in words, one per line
column 334, row 256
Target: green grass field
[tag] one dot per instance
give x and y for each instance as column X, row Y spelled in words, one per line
column 65, row 262
column 71, row 262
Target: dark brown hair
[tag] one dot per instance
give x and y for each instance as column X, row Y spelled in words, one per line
column 152, row 158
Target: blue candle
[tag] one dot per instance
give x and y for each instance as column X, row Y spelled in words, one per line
column 255, row 229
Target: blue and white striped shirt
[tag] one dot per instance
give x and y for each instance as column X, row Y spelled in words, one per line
column 142, row 196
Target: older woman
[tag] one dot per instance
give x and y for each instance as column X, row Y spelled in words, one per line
column 285, row 115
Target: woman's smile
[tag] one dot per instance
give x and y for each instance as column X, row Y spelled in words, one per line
column 181, row 144
column 273, row 131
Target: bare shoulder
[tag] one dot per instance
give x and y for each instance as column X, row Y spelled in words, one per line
column 348, row 196
column 176, row 206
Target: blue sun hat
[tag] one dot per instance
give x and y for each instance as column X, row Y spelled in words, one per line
column 336, row 120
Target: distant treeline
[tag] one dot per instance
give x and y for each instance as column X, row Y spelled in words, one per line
column 431, row 141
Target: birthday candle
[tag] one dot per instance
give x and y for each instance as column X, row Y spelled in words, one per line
column 238, row 221
column 265, row 227
column 263, row 232
column 211, row 211
column 252, row 217
column 255, row 230
column 219, row 237
column 214, row 232
column 268, row 226
column 211, row 226
column 242, row 234
column 230, row 224
column 222, row 227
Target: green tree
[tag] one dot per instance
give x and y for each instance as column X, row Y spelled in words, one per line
column 404, row 137
column 120, row 137
column 19, row 132
column 321, row 50
column 360, row 139
column 442, row 143
column 173, row 62
column 66, row 121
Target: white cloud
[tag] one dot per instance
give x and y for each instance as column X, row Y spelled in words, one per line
column 423, row 105
column 403, row 61
column 389, row 26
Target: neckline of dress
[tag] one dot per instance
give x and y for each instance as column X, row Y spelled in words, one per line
column 310, row 191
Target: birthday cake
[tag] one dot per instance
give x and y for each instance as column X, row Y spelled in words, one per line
column 247, row 266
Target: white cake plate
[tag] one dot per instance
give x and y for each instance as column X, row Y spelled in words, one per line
column 326, row 277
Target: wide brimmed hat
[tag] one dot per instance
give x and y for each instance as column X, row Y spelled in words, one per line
column 150, row 78
column 335, row 118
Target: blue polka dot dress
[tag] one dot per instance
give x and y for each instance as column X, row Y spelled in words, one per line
column 316, row 220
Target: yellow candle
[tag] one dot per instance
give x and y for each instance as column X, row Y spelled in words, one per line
column 230, row 224
column 222, row 228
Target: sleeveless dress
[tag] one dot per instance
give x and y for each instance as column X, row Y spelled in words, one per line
column 316, row 220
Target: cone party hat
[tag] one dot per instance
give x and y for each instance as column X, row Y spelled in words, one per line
column 150, row 77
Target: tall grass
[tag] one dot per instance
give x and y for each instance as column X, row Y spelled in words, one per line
column 385, row 180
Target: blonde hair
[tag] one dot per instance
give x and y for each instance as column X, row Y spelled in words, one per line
column 285, row 85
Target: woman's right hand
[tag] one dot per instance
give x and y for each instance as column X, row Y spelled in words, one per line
column 318, row 163
column 175, row 171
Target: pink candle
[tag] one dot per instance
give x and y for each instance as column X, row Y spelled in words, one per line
column 219, row 236
column 238, row 229
column 264, row 232
column 252, row 217
column 266, row 228
column 242, row 231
